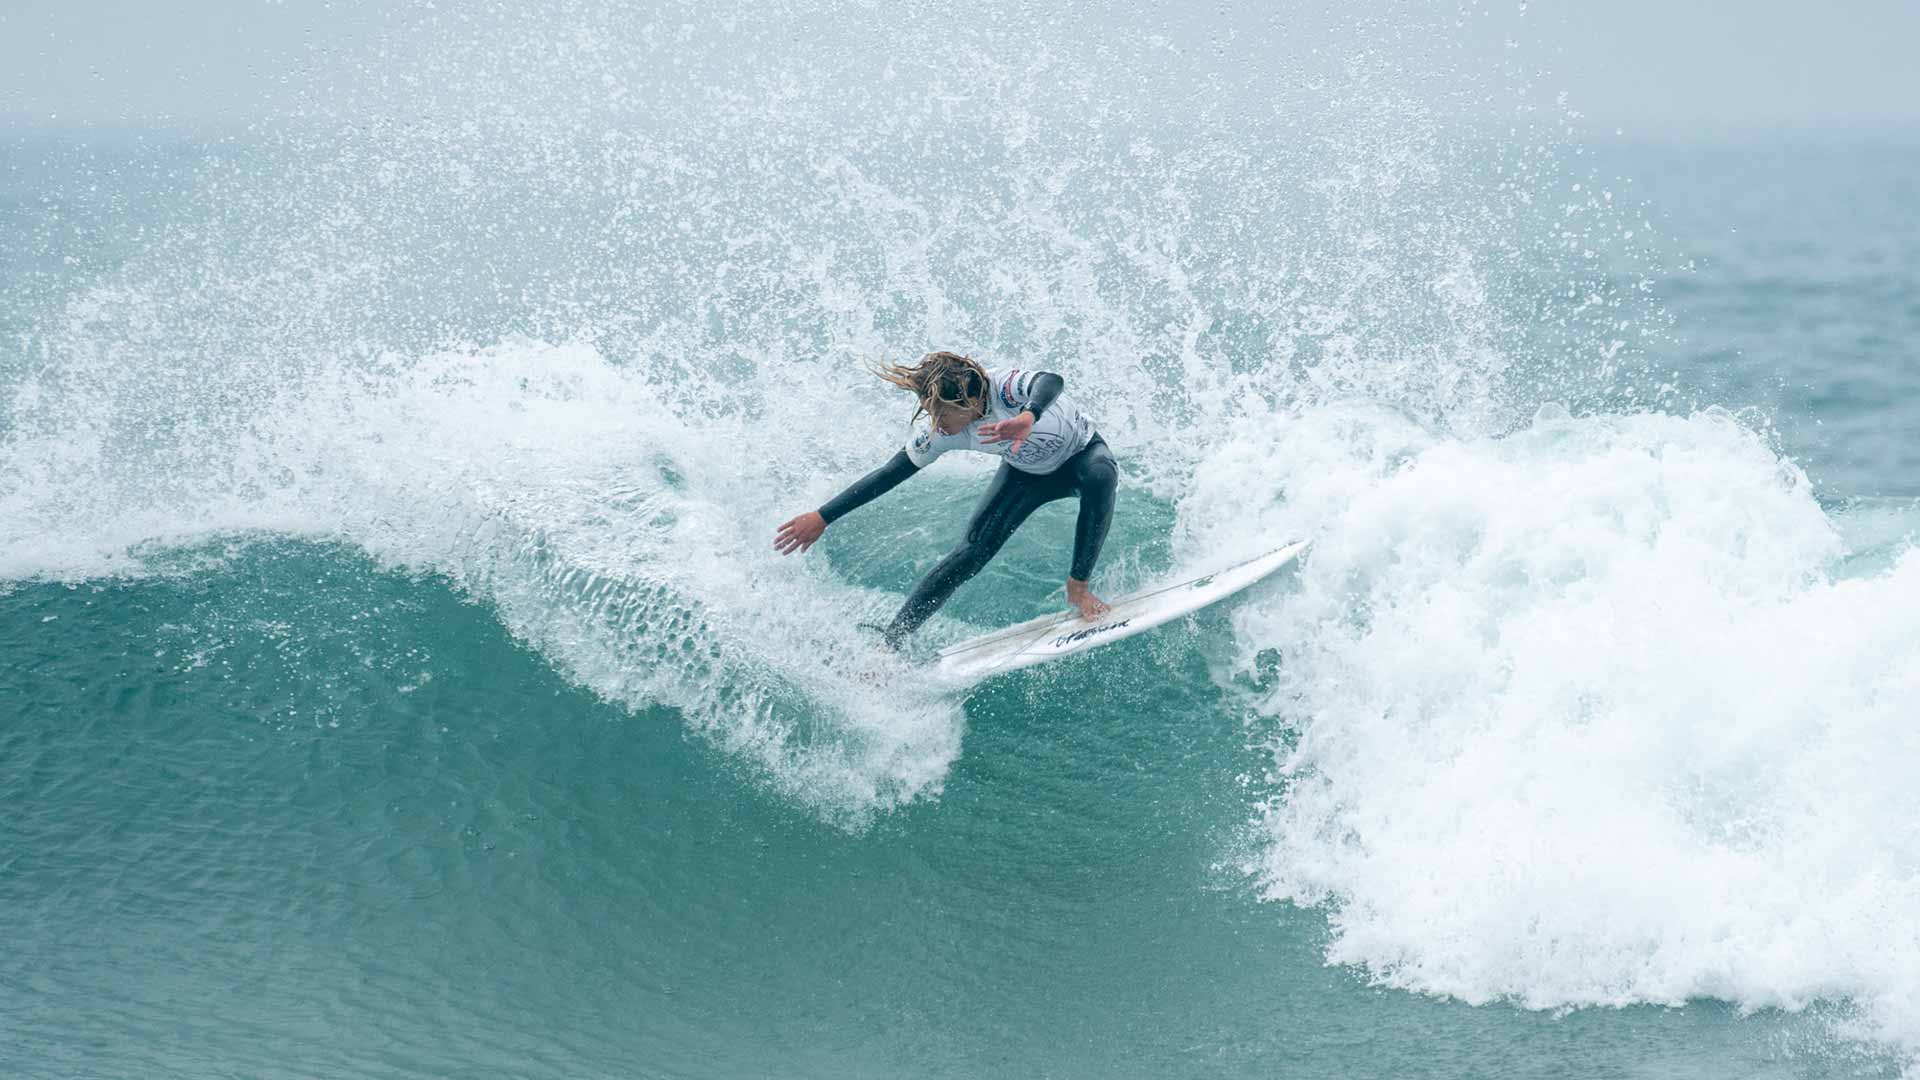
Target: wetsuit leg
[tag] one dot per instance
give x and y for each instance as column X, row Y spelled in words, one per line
column 1097, row 477
column 1010, row 500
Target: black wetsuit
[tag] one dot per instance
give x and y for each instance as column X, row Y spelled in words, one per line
column 1087, row 471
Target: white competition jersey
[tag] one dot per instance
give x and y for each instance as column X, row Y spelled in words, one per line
column 1062, row 431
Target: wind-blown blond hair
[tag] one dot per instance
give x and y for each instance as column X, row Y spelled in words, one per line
column 941, row 379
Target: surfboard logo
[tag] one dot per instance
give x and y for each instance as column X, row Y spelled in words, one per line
column 1081, row 635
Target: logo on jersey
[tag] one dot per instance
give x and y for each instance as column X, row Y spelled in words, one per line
column 1006, row 389
column 1040, row 444
column 923, row 442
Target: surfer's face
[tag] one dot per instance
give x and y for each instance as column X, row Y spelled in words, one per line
column 952, row 420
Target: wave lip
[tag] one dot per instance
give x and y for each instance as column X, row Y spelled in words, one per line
column 1580, row 717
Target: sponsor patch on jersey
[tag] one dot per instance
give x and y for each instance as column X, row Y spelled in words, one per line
column 1039, row 445
column 923, row 441
column 1006, row 389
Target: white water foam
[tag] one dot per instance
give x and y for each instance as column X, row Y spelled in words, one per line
column 629, row 546
column 1579, row 716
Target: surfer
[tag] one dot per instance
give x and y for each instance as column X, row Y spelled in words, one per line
column 1048, row 450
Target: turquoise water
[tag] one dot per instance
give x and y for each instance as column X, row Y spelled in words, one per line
column 261, row 828
column 396, row 678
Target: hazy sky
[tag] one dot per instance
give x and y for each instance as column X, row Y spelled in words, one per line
column 1715, row 68
column 1667, row 70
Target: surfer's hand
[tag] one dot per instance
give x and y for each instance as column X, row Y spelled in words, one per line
column 1088, row 605
column 800, row 533
column 1015, row 428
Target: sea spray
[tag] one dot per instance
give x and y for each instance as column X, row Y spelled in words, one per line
column 623, row 336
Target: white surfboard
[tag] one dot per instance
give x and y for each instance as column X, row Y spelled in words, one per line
column 1051, row 637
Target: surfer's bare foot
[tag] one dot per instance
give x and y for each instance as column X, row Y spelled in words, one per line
column 1088, row 605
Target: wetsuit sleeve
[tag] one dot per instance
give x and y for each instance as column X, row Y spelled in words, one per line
column 1030, row 390
column 1042, row 390
column 926, row 445
column 869, row 487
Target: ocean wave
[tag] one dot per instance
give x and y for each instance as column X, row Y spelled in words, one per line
column 626, row 545
column 1583, row 716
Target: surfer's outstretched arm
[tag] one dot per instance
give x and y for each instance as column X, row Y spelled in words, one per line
column 800, row 533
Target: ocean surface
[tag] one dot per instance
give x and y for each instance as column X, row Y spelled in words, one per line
column 397, row 680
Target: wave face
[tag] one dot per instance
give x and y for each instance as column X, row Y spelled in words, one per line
column 1581, row 698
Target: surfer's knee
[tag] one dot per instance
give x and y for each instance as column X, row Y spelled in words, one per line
column 972, row 555
column 1099, row 472
column 1098, row 484
column 1103, row 473
column 954, row 568
column 987, row 531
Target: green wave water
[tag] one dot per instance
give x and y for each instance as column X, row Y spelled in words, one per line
column 297, row 815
